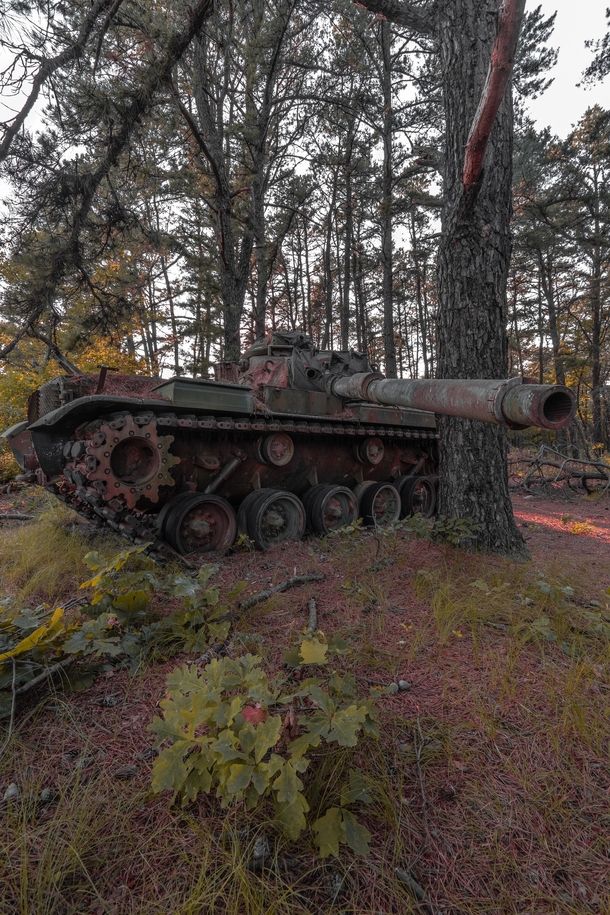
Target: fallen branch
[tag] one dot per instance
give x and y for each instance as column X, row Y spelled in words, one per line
column 9, row 730
column 549, row 468
column 312, row 625
column 16, row 516
column 47, row 673
column 218, row 650
column 293, row 582
column 416, row 889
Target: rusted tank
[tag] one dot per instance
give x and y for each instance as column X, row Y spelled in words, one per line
column 286, row 440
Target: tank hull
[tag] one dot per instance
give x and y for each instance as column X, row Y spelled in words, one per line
column 87, row 449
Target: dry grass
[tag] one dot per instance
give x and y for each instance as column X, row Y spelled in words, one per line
column 43, row 561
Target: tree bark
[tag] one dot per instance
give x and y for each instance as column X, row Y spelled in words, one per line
column 474, row 255
column 387, row 241
column 348, row 168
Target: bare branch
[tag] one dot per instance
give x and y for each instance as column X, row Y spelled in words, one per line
column 416, row 18
column 498, row 76
column 49, row 67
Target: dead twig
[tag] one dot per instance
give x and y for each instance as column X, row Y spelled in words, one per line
column 12, row 713
column 293, row 582
column 45, row 675
column 312, row 623
column 15, row 516
column 415, row 888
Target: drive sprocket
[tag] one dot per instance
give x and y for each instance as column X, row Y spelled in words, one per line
column 125, row 457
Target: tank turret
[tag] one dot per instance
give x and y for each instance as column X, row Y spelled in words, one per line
column 288, row 439
column 511, row 402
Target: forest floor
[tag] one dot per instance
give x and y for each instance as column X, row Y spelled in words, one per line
column 490, row 780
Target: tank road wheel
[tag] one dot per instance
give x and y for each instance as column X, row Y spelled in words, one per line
column 329, row 507
column 360, row 490
column 244, row 508
column 380, row 504
column 418, row 496
column 403, row 485
column 272, row 516
column 199, row 523
column 168, row 508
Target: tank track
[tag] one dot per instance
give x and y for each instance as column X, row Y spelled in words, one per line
column 77, row 489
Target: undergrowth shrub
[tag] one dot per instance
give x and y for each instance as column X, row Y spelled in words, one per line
column 9, row 467
column 136, row 607
column 133, row 609
column 233, row 730
column 31, row 640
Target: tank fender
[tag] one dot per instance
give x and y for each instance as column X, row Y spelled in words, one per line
column 19, row 440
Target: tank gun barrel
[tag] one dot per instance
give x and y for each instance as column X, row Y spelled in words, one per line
column 512, row 402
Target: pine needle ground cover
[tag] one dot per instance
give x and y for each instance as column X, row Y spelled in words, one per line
column 489, row 784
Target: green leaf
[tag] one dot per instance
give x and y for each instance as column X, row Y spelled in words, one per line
column 169, row 771
column 225, row 713
column 240, row 776
column 261, row 779
column 267, row 735
column 300, row 745
column 329, row 832
column 132, row 601
column 344, row 686
column 183, row 586
column 292, row 816
column 318, row 723
column 247, row 737
column 356, row 790
column 345, row 724
column 321, row 699
column 313, row 651
column 226, row 747
column 292, row 658
column 356, row 835
column 205, row 573
column 287, row 785
column 185, row 679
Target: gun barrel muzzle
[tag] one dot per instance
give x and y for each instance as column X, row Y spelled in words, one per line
column 508, row 402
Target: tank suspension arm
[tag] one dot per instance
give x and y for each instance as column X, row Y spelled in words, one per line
column 504, row 402
column 225, row 472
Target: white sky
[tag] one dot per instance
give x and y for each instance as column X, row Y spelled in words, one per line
column 577, row 21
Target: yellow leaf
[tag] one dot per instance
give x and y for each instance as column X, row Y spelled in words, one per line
column 312, row 651
column 92, row 583
column 35, row 637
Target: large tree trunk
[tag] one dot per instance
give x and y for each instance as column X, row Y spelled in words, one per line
column 473, row 262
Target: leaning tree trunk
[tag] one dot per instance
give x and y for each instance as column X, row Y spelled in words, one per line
column 473, row 262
